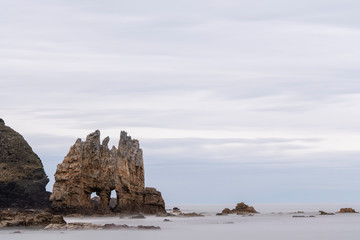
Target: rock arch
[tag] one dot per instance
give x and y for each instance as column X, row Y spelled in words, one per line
column 93, row 167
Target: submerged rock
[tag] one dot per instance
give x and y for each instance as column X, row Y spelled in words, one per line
column 148, row 227
column 91, row 226
column 22, row 176
column 139, row 216
column 193, row 214
column 325, row 213
column 93, row 167
column 303, row 216
column 166, row 214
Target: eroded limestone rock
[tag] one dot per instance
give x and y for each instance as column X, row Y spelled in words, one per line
column 22, row 176
column 93, row 167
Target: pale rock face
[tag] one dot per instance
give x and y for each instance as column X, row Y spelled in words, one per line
column 91, row 167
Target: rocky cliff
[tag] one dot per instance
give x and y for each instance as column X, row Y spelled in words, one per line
column 91, row 167
column 22, row 176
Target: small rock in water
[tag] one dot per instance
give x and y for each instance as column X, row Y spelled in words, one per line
column 190, row 215
column 176, row 210
column 148, row 227
column 139, row 216
column 167, row 220
column 347, row 210
column 303, row 216
column 298, row 212
column 241, row 208
column 325, row 213
column 17, row 232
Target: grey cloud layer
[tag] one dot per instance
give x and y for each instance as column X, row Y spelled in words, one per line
column 275, row 82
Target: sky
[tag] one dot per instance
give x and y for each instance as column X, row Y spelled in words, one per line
column 232, row 100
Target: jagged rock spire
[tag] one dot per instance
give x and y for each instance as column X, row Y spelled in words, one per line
column 90, row 167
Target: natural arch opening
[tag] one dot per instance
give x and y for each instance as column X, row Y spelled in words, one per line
column 95, row 200
column 113, row 200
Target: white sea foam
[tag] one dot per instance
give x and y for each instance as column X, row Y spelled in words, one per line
column 274, row 222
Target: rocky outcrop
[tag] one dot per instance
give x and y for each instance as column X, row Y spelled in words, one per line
column 22, row 176
column 325, row 213
column 241, row 208
column 28, row 219
column 347, row 210
column 92, row 167
column 153, row 202
column 91, row 226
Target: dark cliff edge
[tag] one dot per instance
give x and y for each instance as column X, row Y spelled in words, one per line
column 22, row 176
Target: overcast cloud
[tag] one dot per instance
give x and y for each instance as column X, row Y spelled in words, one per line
column 231, row 100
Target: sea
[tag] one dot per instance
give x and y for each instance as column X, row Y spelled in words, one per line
column 275, row 221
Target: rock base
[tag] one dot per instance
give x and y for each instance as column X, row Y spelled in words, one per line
column 90, row 226
column 28, row 219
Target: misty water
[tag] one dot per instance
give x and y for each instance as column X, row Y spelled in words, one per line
column 275, row 221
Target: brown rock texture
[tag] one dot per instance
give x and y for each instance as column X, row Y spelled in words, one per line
column 347, row 210
column 28, row 219
column 325, row 213
column 153, row 202
column 241, row 208
column 22, row 176
column 93, row 167
column 226, row 211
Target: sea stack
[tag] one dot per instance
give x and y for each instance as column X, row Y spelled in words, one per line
column 22, row 176
column 91, row 167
